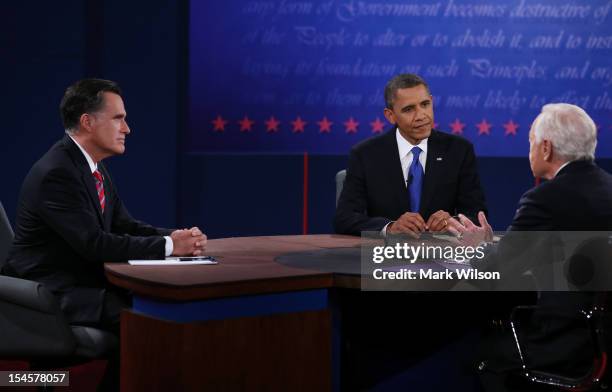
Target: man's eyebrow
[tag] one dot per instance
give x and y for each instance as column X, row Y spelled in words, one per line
column 408, row 107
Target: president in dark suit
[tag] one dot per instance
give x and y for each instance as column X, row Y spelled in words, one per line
column 70, row 218
column 577, row 196
column 412, row 178
column 409, row 180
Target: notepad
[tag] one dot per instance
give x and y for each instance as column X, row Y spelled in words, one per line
column 196, row 260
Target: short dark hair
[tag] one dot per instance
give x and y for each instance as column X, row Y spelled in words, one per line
column 84, row 96
column 399, row 82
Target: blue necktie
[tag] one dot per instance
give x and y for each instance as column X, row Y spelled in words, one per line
column 415, row 180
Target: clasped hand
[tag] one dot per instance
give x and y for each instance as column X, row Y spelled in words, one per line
column 188, row 242
column 412, row 223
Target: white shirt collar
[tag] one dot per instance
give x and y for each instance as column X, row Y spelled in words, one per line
column 92, row 165
column 561, row 167
column 405, row 147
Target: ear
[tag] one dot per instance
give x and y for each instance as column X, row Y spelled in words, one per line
column 390, row 116
column 547, row 150
column 85, row 122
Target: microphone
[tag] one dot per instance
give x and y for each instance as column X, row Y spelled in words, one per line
column 409, row 180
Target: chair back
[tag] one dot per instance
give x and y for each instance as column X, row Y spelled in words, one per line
column 31, row 321
column 590, row 266
column 6, row 236
column 340, row 176
column 32, row 325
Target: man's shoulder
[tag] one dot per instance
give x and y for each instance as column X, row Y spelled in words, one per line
column 453, row 141
column 571, row 183
column 577, row 176
column 56, row 158
column 540, row 192
column 375, row 143
column 583, row 171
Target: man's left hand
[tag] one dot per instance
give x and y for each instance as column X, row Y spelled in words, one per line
column 438, row 221
column 201, row 243
column 188, row 242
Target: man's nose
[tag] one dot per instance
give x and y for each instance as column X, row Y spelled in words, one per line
column 125, row 128
column 421, row 114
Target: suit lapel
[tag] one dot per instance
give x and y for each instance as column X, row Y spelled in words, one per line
column 88, row 179
column 433, row 172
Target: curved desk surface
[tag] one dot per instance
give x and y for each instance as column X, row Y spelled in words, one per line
column 247, row 323
column 247, row 266
column 267, row 317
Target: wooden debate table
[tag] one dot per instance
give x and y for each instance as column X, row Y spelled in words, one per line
column 247, row 323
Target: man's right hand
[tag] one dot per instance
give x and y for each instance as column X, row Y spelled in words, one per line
column 188, row 242
column 410, row 223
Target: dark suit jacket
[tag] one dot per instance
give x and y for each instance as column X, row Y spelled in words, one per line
column 62, row 238
column 375, row 192
column 578, row 198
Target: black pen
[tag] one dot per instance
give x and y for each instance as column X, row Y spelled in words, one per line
column 197, row 258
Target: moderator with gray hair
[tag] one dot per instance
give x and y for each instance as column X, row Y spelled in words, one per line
column 570, row 129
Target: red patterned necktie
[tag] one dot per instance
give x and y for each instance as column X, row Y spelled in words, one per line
column 100, row 187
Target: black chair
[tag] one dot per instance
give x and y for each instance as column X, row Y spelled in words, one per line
column 590, row 380
column 33, row 328
column 588, row 273
column 6, row 235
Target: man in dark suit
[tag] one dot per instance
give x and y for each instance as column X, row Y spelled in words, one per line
column 408, row 180
column 577, row 196
column 387, row 189
column 70, row 219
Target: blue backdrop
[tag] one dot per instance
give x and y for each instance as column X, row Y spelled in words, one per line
column 293, row 76
column 169, row 152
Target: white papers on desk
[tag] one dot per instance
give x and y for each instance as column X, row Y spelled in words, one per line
column 453, row 239
column 176, row 261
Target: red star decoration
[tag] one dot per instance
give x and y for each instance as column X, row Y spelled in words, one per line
column 246, row 124
column 511, row 128
column 484, row 127
column 377, row 126
column 351, row 125
column 219, row 124
column 324, row 125
column 457, row 127
column 272, row 125
column 298, row 125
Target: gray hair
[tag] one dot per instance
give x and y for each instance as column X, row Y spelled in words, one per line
column 570, row 129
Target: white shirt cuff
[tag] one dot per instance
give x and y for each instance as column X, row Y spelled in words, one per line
column 384, row 229
column 169, row 246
